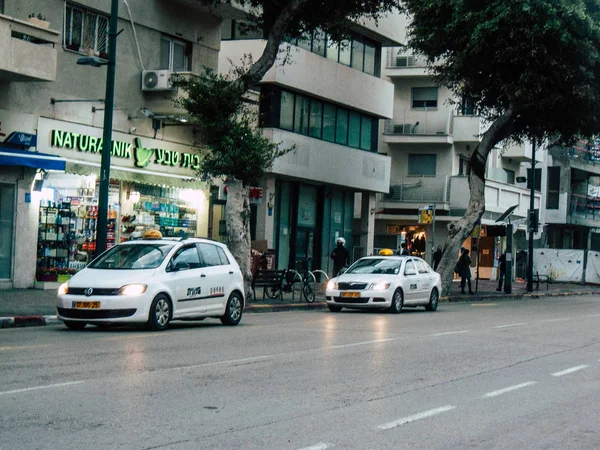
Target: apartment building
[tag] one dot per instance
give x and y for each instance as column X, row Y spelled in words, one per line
column 429, row 139
column 327, row 101
column 51, row 120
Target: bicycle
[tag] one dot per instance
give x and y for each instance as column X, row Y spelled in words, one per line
column 301, row 274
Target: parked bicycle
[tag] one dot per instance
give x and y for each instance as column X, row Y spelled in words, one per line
column 301, row 274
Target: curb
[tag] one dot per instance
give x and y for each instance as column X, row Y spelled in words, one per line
column 35, row 321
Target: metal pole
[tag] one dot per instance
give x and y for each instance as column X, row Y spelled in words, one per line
column 433, row 229
column 509, row 259
column 101, row 230
column 531, row 222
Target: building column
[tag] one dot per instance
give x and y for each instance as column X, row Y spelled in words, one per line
column 367, row 222
column 265, row 221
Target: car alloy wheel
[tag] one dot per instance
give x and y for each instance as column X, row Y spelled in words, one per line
column 397, row 302
column 233, row 311
column 434, row 299
column 160, row 313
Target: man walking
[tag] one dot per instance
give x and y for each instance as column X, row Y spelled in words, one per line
column 437, row 257
column 340, row 256
column 502, row 268
column 464, row 270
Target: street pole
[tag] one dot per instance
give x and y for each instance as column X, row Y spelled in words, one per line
column 509, row 259
column 531, row 220
column 101, row 230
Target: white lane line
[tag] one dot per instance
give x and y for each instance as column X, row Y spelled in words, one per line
column 511, row 325
column 413, row 418
column 219, row 363
column 450, row 332
column 36, row 388
column 568, row 371
column 355, row 344
column 509, row 389
column 556, row 320
column 319, row 446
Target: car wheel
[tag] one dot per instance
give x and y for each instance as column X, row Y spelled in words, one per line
column 397, row 302
column 233, row 311
column 75, row 325
column 334, row 308
column 160, row 313
column 434, row 299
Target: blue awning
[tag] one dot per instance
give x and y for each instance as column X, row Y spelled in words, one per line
column 12, row 157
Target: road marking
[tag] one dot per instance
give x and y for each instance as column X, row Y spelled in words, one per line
column 218, row 363
column 511, row 325
column 49, row 386
column 319, row 446
column 355, row 344
column 484, row 304
column 555, row 320
column 21, row 347
column 450, row 332
column 415, row 417
column 509, row 389
column 568, row 371
column 129, row 336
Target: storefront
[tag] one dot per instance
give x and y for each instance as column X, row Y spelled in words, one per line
column 152, row 186
column 413, row 236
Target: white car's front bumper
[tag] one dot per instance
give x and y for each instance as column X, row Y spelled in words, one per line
column 366, row 298
column 113, row 308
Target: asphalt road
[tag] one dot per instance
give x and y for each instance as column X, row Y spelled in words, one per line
column 504, row 375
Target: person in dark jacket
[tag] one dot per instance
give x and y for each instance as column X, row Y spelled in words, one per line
column 340, row 256
column 464, row 270
column 437, row 257
column 404, row 250
column 502, row 268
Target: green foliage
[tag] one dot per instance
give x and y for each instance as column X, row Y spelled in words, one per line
column 540, row 57
column 233, row 145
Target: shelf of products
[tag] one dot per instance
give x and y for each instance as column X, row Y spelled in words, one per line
column 55, row 239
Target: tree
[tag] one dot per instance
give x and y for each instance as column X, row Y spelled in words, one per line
column 234, row 148
column 531, row 67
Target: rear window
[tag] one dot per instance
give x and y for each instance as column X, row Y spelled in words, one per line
column 132, row 257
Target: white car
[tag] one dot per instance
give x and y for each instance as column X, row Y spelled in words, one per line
column 389, row 282
column 154, row 282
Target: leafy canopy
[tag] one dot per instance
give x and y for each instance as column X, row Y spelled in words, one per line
column 538, row 57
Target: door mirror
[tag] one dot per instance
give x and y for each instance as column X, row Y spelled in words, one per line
column 181, row 265
column 410, row 272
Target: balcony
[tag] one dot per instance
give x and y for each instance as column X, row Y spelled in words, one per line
column 416, row 191
column 412, row 126
column 466, row 128
column 521, row 152
column 584, row 210
column 401, row 64
column 27, row 52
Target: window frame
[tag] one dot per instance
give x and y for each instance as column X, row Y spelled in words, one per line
column 178, row 252
column 425, row 106
column 186, row 53
column 414, row 164
column 86, row 13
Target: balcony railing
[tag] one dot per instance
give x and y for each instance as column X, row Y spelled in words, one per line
column 398, row 59
column 419, row 190
column 421, row 122
column 584, row 207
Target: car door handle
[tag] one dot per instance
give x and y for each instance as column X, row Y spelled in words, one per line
column 202, row 276
column 231, row 272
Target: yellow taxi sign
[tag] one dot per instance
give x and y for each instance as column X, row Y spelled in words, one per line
column 386, row 252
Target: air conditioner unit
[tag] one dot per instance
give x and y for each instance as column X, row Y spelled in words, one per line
column 156, row 80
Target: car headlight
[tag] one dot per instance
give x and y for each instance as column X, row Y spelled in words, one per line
column 63, row 289
column 331, row 285
column 379, row 286
column 132, row 290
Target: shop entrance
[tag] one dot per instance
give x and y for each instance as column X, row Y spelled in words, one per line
column 305, row 244
column 7, row 210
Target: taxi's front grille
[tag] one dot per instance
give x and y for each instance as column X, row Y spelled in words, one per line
column 95, row 313
column 95, row 291
column 351, row 286
column 351, row 299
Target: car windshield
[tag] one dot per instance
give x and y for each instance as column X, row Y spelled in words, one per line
column 376, row 265
column 133, row 257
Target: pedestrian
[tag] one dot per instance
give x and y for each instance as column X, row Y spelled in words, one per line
column 437, row 257
column 340, row 256
column 464, row 270
column 404, row 250
column 502, row 267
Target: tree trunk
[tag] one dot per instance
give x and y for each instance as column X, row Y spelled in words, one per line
column 459, row 230
column 237, row 219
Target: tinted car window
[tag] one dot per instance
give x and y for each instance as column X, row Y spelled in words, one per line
column 187, row 255
column 132, row 257
column 409, row 266
column 422, row 266
column 210, row 255
column 223, row 256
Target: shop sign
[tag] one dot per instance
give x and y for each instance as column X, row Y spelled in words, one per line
column 256, row 195
column 142, row 156
column 21, row 139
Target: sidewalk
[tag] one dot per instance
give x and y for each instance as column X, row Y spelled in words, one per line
column 31, row 307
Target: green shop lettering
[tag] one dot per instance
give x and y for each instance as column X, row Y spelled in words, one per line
column 142, row 156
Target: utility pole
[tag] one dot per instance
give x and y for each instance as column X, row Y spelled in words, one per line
column 531, row 221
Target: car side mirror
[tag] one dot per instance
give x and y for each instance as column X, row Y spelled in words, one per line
column 181, row 266
column 410, row 272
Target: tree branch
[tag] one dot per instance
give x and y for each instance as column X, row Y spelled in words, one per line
column 276, row 35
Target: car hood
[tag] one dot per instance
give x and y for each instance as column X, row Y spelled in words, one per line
column 99, row 278
column 365, row 277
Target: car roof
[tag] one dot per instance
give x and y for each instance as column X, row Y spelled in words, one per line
column 173, row 241
column 396, row 257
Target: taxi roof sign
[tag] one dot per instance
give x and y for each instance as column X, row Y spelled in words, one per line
column 386, row 252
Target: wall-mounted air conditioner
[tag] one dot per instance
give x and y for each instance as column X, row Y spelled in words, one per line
column 156, row 80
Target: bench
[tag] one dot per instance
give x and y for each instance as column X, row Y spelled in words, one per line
column 543, row 278
column 268, row 279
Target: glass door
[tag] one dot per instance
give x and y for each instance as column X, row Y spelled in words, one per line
column 7, row 215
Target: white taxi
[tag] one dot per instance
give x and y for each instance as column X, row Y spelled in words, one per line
column 154, row 282
column 389, row 282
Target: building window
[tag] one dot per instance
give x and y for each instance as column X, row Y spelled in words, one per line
column 174, row 54
column 422, row 164
column 553, row 191
column 464, row 166
column 315, row 118
column 86, row 31
column 538, row 179
column 467, row 107
column 239, row 30
column 425, row 97
column 510, row 176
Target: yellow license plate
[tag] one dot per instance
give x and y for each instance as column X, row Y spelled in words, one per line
column 351, row 294
column 87, row 305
